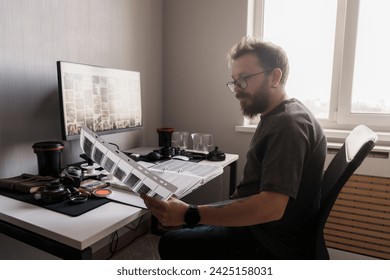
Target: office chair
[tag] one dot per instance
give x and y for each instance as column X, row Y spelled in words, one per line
column 352, row 153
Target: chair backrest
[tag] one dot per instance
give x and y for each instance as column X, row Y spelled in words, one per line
column 356, row 147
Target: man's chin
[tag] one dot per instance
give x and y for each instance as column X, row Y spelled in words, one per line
column 250, row 116
column 248, row 113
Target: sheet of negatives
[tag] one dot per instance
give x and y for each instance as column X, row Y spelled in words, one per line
column 136, row 177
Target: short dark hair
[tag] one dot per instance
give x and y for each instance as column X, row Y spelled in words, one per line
column 269, row 55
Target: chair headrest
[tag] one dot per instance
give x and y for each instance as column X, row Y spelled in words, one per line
column 359, row 136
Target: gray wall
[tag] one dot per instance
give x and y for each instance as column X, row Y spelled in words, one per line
column 197, row 37
column 179, row 46
column 34, row 34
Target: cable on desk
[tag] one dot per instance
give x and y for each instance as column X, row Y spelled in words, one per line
column 136, row 226
column 129, row 243
column 114, row 242
column 114, row 145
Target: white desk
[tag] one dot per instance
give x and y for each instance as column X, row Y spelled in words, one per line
column 61, row 235
column 71, row 237
column 231, row 161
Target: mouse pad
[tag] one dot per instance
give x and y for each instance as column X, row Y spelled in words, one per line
column 63, row 207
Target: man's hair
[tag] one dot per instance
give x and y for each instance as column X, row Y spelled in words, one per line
column 269, row 56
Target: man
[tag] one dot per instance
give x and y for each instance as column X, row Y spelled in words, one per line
column 272, row 211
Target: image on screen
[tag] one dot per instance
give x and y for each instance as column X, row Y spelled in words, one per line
column 105, row 100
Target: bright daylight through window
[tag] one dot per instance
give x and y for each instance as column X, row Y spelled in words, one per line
column 338, row 56
column 310, row 50
column 370, row 93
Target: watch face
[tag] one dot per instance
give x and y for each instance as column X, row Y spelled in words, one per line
column 192, row 216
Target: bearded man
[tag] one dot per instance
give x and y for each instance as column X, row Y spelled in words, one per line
column 271, row 213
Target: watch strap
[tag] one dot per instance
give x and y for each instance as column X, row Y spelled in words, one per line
column 192, row 216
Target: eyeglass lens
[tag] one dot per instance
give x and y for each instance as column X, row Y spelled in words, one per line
column 241, row 82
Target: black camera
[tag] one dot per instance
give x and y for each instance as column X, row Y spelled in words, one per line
column 72, row 176
column 53, row 192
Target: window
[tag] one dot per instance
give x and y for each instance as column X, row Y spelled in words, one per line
column 311, row 86
column 338, row 56
column 366, row 97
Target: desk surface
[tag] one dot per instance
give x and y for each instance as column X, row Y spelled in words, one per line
column 185, row 183
column 77, row 232
column 230, row 158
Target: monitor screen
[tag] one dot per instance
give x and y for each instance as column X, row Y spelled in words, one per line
column 103, row 99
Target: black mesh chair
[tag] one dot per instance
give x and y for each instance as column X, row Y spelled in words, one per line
column 354, row 150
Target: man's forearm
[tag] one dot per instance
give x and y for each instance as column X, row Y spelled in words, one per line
column 252, row 210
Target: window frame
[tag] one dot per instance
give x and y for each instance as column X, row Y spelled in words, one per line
column 340, row 117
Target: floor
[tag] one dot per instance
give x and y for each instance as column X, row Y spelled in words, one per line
column 144, row 248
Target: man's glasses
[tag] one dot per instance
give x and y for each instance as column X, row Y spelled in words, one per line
column 242, row 82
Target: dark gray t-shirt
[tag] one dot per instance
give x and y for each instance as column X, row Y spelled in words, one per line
column 286, row 155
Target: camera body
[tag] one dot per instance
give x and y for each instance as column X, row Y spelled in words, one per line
column 72, row 176
column 53, row 192
column 63, row 188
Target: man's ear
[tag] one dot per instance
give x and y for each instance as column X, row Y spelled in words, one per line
column 276, row 77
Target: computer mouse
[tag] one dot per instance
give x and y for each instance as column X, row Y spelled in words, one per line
column 181, row 157
column 153, row 156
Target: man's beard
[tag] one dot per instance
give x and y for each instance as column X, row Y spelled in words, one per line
column 252, row 105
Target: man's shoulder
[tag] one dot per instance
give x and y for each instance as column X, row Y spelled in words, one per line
column 294, row 111
column 293, row 117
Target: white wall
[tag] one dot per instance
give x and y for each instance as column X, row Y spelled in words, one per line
column 197, row 37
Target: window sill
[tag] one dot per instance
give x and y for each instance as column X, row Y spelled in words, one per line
column 334, row 134
column 335, row 137
column 246, row 128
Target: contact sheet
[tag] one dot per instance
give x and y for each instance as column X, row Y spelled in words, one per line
column 136, row 177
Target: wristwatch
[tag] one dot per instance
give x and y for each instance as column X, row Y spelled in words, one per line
column 192, row 216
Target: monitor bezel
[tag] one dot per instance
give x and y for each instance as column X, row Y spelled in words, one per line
column 61, row 65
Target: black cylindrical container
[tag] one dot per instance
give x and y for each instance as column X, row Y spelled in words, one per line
column 49, row 157
column 164, row 136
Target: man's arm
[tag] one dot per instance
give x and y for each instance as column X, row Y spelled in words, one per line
column 264, row 207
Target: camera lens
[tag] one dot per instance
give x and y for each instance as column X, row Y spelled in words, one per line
column 54, row 186
column 73, row 171
column 71, row 176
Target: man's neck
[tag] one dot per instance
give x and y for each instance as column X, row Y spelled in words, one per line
column 280, row 96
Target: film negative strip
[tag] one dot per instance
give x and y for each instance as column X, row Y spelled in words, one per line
column 133, row 175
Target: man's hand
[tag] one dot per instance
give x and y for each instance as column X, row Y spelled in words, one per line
column 169, row 213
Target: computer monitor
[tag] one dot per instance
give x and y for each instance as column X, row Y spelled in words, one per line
column 105, row 100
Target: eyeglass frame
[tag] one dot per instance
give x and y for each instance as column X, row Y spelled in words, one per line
column 244, row 79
